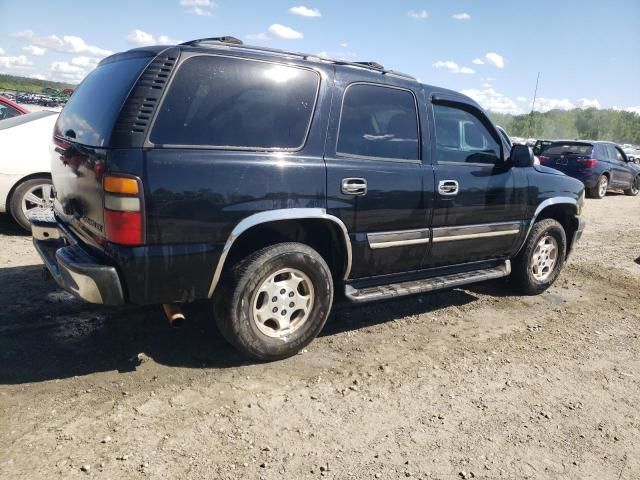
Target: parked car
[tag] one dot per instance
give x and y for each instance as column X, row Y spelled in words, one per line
column 540, row 146
column 9, row 109
column 25, row 165
column 599, row 165
column 266, row 181
column 632, row 153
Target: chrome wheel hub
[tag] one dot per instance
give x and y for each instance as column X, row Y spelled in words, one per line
column 282, row 303
column 38, row 197
column 602, row 186
column 544, row 258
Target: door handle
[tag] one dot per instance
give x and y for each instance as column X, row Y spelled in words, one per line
column 354, row 186
column 448, row 187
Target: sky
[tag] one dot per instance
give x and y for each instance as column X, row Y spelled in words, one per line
column 587, row 52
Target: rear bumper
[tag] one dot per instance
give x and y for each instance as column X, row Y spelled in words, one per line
column 73, row 267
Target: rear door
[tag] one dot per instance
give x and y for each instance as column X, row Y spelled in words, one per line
column 480, row 199
column 377, row 183
column 625, row 173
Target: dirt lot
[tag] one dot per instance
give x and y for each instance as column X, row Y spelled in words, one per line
column 470, row 383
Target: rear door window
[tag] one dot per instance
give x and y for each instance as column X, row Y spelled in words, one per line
column 237, row 104
column 379, row 122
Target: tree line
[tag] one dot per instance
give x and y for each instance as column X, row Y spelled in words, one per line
column 589, row 123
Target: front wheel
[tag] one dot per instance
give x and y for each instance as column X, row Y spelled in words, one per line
column 634, row 189
column 539, row 263
column 275, row 302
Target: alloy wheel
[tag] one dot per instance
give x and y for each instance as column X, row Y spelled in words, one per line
column 544, row 258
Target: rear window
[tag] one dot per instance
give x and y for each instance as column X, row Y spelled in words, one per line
column 237, row 103
column 569, row 148
column 92, row 110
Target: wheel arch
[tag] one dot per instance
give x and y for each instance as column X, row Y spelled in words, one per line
column 311, row 226
column 562, row 209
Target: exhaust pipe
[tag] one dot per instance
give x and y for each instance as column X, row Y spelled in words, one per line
column 174, row 314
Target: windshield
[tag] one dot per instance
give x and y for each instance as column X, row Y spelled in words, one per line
column 569, row 148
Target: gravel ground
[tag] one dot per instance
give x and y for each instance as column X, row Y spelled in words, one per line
column 468, row 383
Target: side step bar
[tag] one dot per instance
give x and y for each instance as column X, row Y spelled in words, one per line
column 412, row 287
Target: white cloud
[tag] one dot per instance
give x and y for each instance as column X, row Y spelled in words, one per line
column 13, row 63
column 142, row 39
column 202, row 8
column 305, row 11
column 478, row 61
column 419, row 15
column 85, row 62
column 38, row 76
column 66, row 44
column 344, row 44
column 453, row 67
column 495, row 59
column 545, row 104
column 589, row 103
column 344, row 56
column 461, row 16
column 35, row 50
column 277, row 31
column 486, row 85
column 67, row 72
column 521, row 99
column 492, row 100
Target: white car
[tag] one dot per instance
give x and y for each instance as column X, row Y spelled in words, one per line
column 25, row 169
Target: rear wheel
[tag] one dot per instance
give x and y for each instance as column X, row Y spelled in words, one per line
column 275, row 302
column 29, row 196
column 539, row 263
column 634, row 189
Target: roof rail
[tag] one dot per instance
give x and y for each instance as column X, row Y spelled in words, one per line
column 233, row 42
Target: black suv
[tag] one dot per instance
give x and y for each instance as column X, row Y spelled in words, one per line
column 267, row 181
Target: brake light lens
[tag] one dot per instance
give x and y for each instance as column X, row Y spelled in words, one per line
column 124, row 228
column 543, row 159
column 587, row 162
column 123, row 210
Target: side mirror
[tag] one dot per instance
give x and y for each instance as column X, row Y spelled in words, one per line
column 521, row 156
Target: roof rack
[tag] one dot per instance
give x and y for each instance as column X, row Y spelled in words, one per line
column 233, row 42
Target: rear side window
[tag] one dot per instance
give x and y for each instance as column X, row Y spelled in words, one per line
column 462, row 137
column 379, row 122
column 569, row 148
column 89, row 115
column 237, row 103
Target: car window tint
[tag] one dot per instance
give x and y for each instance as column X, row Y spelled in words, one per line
column 237, row 103
column 611, row 152
column 461, row 137
column 7, row 111
column 379, row 122
column 569, row 148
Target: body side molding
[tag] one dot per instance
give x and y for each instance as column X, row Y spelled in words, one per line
column 274, row 216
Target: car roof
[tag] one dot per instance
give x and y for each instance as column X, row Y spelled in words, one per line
column 361, row 71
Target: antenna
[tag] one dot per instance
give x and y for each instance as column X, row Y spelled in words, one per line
column 533, row 104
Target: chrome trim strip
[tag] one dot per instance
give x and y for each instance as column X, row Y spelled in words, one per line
column 275, row 215
column 398, row 238
column 468, row 232
column 547, row 203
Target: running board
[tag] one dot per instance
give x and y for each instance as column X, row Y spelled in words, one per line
column 412, row 287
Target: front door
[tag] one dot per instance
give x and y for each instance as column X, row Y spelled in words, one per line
column 375, row 176
column 479, row 200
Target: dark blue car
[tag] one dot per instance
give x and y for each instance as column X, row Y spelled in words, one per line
column 599, row 165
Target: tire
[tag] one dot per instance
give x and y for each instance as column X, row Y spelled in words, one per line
column 600, row 190
column 634, row 189
column 258, row 332
column 525, row 265
column 39, row 187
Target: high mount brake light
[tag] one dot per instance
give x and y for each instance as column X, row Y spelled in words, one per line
column 123, row 210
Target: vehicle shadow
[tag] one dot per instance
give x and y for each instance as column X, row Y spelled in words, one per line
column 9, row 227
column 47, row 334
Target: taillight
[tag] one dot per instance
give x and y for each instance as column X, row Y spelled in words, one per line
column 123, row 210
column 543, row 159
column 587, row 162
